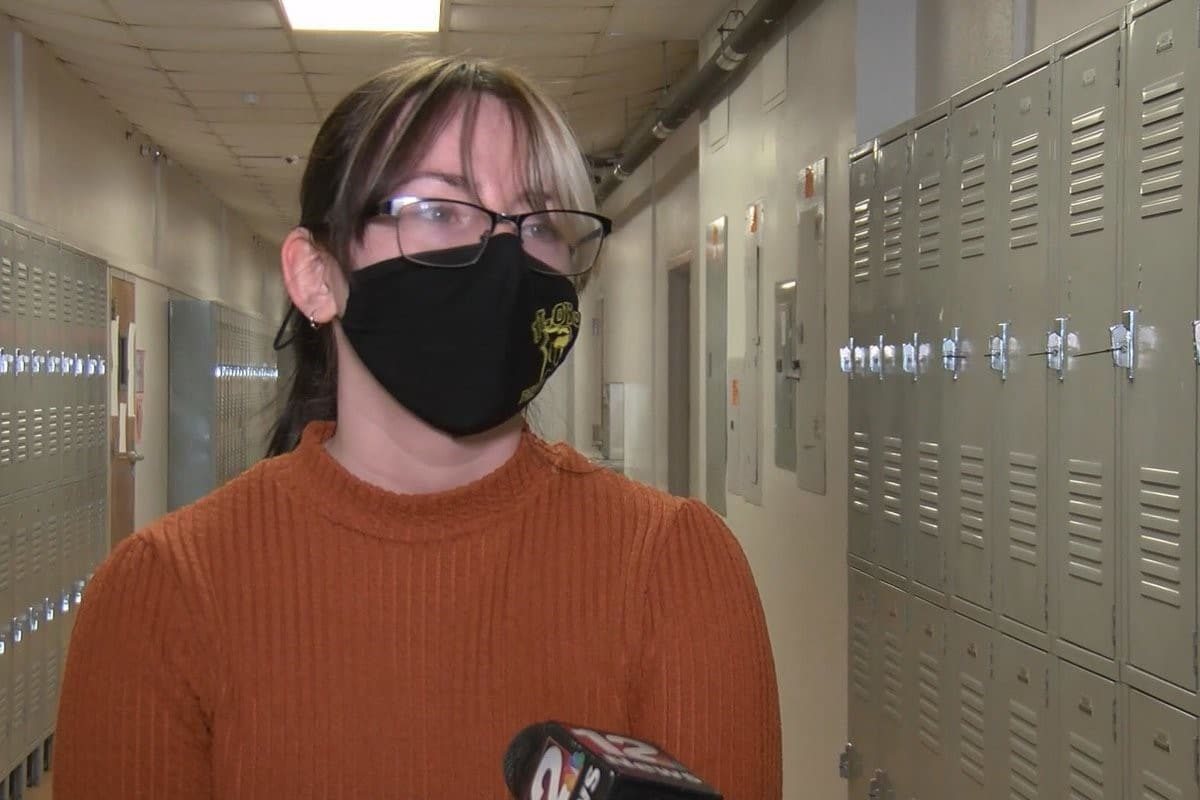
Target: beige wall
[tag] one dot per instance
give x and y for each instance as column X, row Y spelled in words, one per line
column 85, row 183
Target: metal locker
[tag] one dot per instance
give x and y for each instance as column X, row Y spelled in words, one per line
column 1083, row 385
column 7, row 758
column 32, row 605
column 861, row 756
column 68, row 382
column 926, row 675
column 20, row 516
column 973, row 400
column 1158, row 298
column 8, row 332
column 1026, row 124
column 1090, row 727
column 970, row 772
column 895, row 725
column 928, row 529
column 855, row 354
column 21, row 364
column 893, row 521
column 1162, row 754
column 54, row 345
column 98, row 414
column 35, row 263
column 1024, row 716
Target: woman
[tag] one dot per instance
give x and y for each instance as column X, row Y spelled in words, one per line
column 415, row 576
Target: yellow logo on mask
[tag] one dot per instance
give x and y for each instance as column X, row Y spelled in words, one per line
column 552, row 336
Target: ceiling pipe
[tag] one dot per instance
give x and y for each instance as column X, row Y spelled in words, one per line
column 696, row 90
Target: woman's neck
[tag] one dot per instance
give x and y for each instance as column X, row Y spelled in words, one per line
column 380, row 442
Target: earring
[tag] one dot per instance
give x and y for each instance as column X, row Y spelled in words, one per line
column 312, row 321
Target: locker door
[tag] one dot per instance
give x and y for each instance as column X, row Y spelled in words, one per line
column 970, row 749
column 1162, row 750
column 894, row 326
column 56, row 293
column 20, row 513
column 32, row 603
column 1088, row 750
column 862, row 446
column 1023, row 692
column 1024, row 129
column 1083, row 393
column 8, row 333
column 38, row 333
column 68, row 380
column 926, row 674
column 895, row 726
column 864, row 700
column 6, row 606
column 1158, row 286
column 22, row 360
column 928, row 553
column 974, row 401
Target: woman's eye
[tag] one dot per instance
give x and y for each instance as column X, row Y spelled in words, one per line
column 542, row 231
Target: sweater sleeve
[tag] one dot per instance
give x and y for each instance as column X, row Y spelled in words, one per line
column 132, row 722
column 705, row 687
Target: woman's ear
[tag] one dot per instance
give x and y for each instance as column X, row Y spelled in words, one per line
column 314, row 280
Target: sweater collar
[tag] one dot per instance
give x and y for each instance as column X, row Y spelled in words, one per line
column 346, row 500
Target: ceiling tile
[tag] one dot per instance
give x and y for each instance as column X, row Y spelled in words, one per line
column 148, row 94
column 233, row 82
column 56, row 26
column 262, row 115
column 140, row 109
column 605, row 4
column 95, row 9
column 665, row 19
column 82, row 52
column 646, row 57
column 244, row 63
column 527, row 19
column 344, row 63
column 247, row 40
column 206, row 14
column 337, row 84
column 264, row 100
column 113, row 74
column 494, row 45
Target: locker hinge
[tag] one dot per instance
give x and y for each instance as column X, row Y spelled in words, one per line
column 1119, row 62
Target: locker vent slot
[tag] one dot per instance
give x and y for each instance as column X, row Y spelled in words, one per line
column 4, row 710
column 1023, row 508
column 20, row 556
column 860, row 657
column 893, row 677
column 22, row 437
column 18, row 696
column 51, row 682
column 68, row 432
column 1085, row 779
column 1022, row 751
column 81, row 315
column 1024, row 191
column 1160, row 532
column 971, row 484
column 928, row 500
column 52, row 432
column 6, row 554
column 893, row 231
column 1162, row 147
column 36, row 535
column 893, row 467
column 861, row 263
column 1085, row 521
column 6, row 286
column 929, row 711
column 973, row 200
column 33, row 703
column 1156, row 788
column 929, row 221
column 860, row 473
column 1088, row 161
column 37, row 438
column 22, row 289
column 37, row 298
column 52, row 301
column 970, row 728
column 6, row 439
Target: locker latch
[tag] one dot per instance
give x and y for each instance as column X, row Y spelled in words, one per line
column 998, row 351
column 79, row 365
column 35, row 617
column 3, row 643
column 1195, row 340
column 77, row 597
column 915, row 356
column 48, row 609
column 20, row 363
column 102, row 366
column 36, row 362
column 52, row 364
column 1056, row 347
column 18, row 630
column 875, row 358
column 952, row 357
column 1124, row 342
column 877, row 789
column 848, row 762
column 64, row 603
column 846, row 357
column 6, row 361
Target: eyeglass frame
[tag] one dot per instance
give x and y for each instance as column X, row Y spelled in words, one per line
column 394, row 205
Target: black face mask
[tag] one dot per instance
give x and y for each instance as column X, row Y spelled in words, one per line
column 466, row 348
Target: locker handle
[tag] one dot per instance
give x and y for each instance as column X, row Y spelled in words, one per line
column 1195, row 340
column 1124, row 342
column 20, row 362
column 6, row 361
column 998, row 350
column 952, row 355
column 1162, row 741
column 1085, row 705
column 1056, row 348
column 845, row 358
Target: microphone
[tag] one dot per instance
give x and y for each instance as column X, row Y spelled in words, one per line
column 556, row 761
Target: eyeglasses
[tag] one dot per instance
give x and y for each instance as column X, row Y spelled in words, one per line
column 453, row 233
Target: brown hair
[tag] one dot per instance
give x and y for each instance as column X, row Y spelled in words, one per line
column 374, row 136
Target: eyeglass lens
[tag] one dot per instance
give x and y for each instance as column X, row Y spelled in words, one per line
column 566, row 242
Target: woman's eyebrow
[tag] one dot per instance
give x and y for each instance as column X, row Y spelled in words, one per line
column 450, row 178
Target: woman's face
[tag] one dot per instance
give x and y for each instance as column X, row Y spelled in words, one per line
column 497, row 161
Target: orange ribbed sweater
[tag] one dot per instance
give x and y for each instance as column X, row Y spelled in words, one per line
column 302, row 634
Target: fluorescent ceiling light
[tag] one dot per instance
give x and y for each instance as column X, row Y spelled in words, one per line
column 419, row 16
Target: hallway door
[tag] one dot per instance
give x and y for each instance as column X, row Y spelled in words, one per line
column 679, row 379
column 122, row 453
